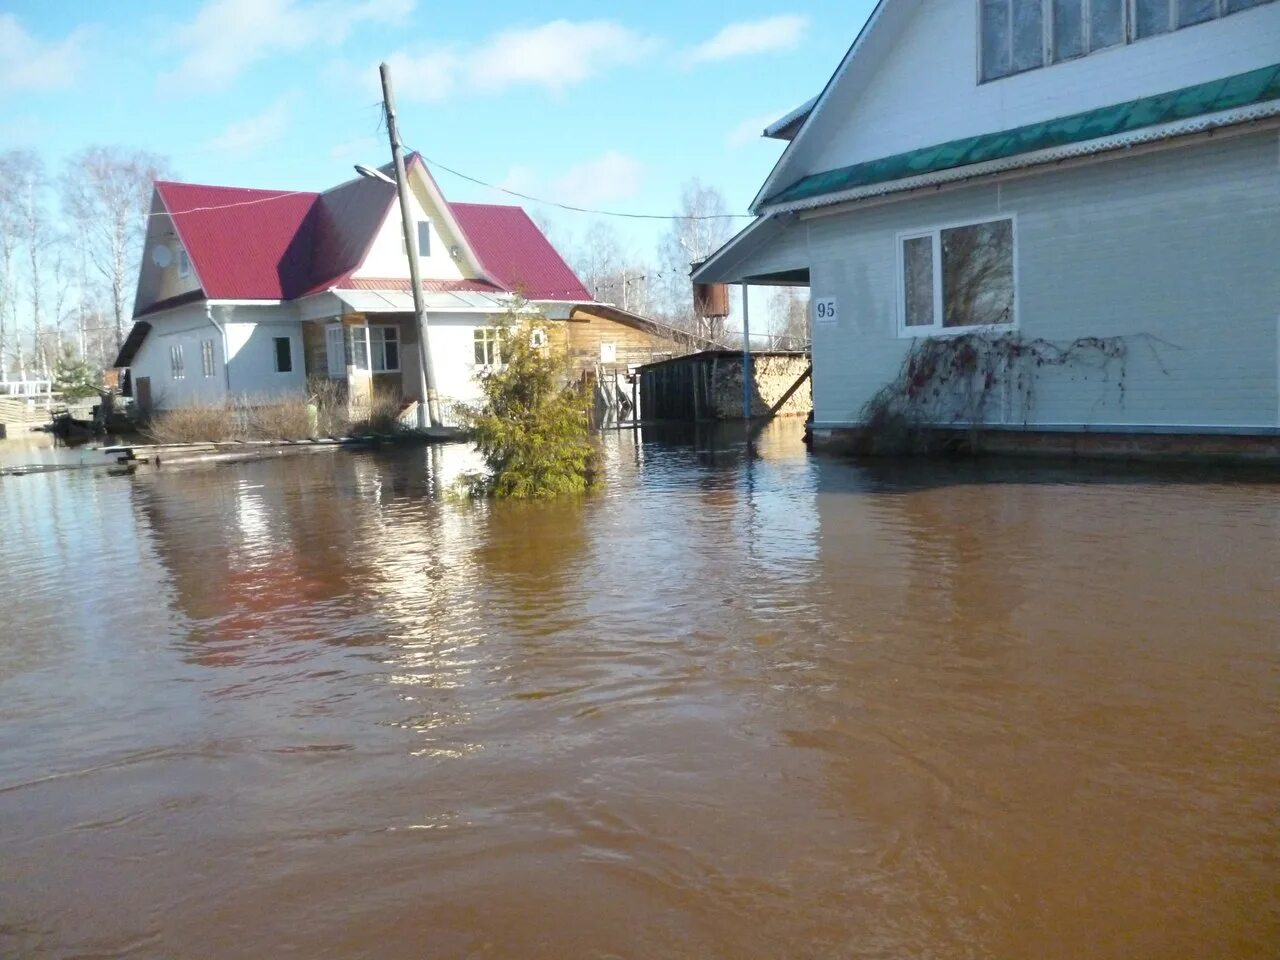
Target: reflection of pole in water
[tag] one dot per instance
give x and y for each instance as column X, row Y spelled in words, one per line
column 435, row 470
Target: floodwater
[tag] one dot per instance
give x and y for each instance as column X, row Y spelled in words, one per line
column 735, row 705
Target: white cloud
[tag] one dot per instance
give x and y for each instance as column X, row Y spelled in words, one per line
column 253, row 133
column 27, row 63
column 520, row 179
column 553, row 56
column 362, row 149
column 608, row 178
column 751, row 129
column 227, row 36
column 749, row 37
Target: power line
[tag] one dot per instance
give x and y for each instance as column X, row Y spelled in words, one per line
column 240, row 203
column 483, row 183
column 570, row 207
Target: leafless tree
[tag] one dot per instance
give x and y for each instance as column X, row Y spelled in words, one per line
column 10, row 238
column 789, row 309
column 702, row 227
column 612, row 274
column 36, row 238
column 107, row 190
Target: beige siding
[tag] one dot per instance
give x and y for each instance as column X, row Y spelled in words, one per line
column 1176, row 250
column 633, row 346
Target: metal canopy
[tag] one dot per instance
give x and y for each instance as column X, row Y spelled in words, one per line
column 401, row 301
column 1229, row 93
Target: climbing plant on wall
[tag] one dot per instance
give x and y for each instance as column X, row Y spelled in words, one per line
column 962, row 380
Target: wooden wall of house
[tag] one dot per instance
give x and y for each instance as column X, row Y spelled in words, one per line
column 634, row 346
column 315, row 355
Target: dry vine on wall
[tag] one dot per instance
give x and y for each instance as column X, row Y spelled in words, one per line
column 959, row 380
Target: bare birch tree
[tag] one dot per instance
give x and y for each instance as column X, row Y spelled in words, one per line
column 35, row 236
column 702, row 226
column 107, row 190
column 10, row 231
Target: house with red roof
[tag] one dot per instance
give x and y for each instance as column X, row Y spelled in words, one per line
column 252, row 293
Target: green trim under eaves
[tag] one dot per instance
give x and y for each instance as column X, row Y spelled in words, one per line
column 1229, row 93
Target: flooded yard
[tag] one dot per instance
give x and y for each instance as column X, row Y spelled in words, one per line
column 738, row 704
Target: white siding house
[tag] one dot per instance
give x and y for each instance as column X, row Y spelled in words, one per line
column 974, row 170
column 249, row 294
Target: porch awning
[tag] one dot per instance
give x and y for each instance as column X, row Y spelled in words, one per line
column 401, row 301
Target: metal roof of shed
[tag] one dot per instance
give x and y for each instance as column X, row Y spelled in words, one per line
column 1241, row 90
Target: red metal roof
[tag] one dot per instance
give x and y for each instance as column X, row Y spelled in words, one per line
column 429, row 286
column 279, row 245
column 517, row 254
column 252, row 244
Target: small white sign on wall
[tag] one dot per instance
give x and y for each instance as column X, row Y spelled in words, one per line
column 824, row 310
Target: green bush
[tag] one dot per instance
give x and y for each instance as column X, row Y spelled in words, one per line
column 74, row 378
column 533, row 426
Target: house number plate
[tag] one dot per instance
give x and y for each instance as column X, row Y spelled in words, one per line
column 824, row 310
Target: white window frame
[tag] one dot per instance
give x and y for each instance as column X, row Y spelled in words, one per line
column 177, row 365
column 936, row 329
column 373, row 367
column 418, row 226
column 184, row 263
column 336, row 371
column 207, row 362
column 1129, row 28
column 499, row 334
column 275, row 356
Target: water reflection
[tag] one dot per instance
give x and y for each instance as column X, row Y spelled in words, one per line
column 739, row 703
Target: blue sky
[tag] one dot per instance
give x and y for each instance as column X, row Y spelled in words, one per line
column 613, row 109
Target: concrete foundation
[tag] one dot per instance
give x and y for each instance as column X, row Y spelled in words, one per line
column 1169, row 447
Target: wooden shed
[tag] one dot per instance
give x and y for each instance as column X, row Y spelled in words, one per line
column 708, row 386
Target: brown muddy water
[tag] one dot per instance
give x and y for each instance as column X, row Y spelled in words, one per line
column 735, row 705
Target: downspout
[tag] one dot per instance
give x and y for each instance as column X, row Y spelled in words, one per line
column 226, row 355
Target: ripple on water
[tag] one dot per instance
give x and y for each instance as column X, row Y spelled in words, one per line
column 746, row 704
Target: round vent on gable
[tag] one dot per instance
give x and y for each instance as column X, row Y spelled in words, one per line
column 161, row 255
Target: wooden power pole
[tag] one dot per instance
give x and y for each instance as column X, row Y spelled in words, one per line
column 428, row 414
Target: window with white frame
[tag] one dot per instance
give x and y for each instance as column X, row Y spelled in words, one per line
column 384, row 348
column 184, row 263
column 489, row 345
column 424, row 239
column 1018, row 35
column 206, row 357
column 176, row 369
column 335, row 351
column 958, row 276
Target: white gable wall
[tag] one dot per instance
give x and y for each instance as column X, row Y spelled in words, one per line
column 386, row 256
column 247, row 359
column 250, row 345
column 1175, row 250
column 925, row 90
column 156, row 283
column 186, row 327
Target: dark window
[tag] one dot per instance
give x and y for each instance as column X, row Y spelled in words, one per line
column 1106, row 23
column 284, row 355
column 1151, row 17
column 1068, row 29
column 424, row 238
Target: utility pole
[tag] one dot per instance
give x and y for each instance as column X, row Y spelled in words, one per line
column 428, row 415
column 747, row 374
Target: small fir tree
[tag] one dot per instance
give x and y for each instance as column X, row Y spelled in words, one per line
column 533, row 427
column 75, row 378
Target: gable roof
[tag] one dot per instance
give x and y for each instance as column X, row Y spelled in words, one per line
column 1187, row 103
column 243, row 244
column 247, row 244
column 785, row 128
column 886, row 18
column 513, row 251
